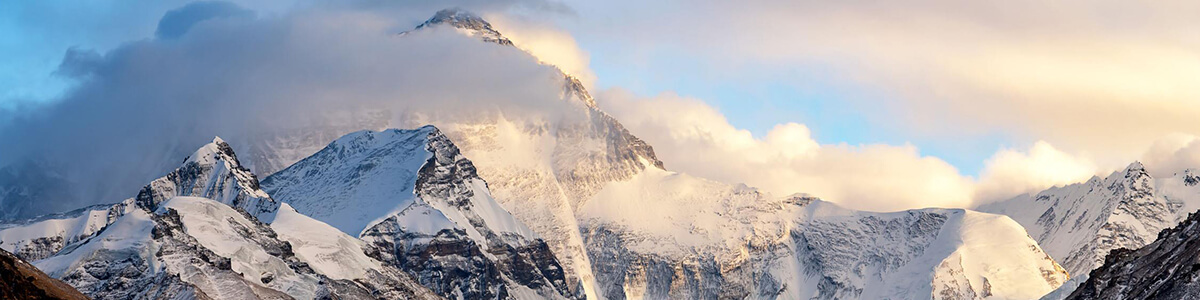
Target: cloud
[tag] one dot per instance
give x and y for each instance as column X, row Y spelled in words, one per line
column 146, row 103
column 1172, row 154
column 176, row 22
column 1010, row 172
column 549, row 44
column 694, row 138
column 1103, row 77
column 142, row 106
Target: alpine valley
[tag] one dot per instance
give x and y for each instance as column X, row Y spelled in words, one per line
column 380, row 204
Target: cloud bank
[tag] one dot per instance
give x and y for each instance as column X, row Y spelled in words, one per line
column 141, row 107
column 693, row 137
column 1102, row 77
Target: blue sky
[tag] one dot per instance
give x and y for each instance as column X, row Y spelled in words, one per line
column 759, row 98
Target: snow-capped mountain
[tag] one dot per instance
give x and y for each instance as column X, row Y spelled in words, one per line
column 543, row 167
column 573, row 206
column 1164, row 269
column 1080, row 224
column 419, row 205
column 670, row 235
column 199, row 232
column 558, row 174
column 468, row 23
column 40, row 237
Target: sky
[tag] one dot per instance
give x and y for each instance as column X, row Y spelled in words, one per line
column 874, row 105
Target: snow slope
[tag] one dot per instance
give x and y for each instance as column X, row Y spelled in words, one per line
column 191, row 234
column 40, row 237
column 1080, row 224
column 703, row 239
column 419, row 205
column 327, row 250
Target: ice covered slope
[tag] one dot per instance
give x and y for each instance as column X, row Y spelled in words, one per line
column 669, row 235
column 1164, row 269
column 211, row 171
column 192, row 234
column 1080, row 223
column 420, row 206
column 40, row 237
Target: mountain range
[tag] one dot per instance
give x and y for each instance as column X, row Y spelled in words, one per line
column 570, row 206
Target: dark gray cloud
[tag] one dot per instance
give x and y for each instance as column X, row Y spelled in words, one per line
column 176, row 22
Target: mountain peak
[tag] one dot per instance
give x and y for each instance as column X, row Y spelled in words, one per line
column 1191, row 177
column 1135, row 166
column 212, row 171
column 456, row 15
column 468, row 21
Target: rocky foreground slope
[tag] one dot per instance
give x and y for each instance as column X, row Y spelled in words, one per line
column 24, row 281
column 1168, row 268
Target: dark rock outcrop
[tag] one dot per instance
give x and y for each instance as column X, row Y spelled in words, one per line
column 20, row 280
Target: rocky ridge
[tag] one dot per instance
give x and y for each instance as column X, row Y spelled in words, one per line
column 1080, row 224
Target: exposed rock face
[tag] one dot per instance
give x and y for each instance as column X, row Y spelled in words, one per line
column 24, row 281
column 1165, row 269
column 212, row 172
column 420, row 205
column 1080, row 224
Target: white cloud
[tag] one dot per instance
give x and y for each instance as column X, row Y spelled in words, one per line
column 693, row 137
column 141, row 106
column 223, row 75
column 1172, row 154
column 546, row 42
column 1010, row 172
column 1102, row 77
